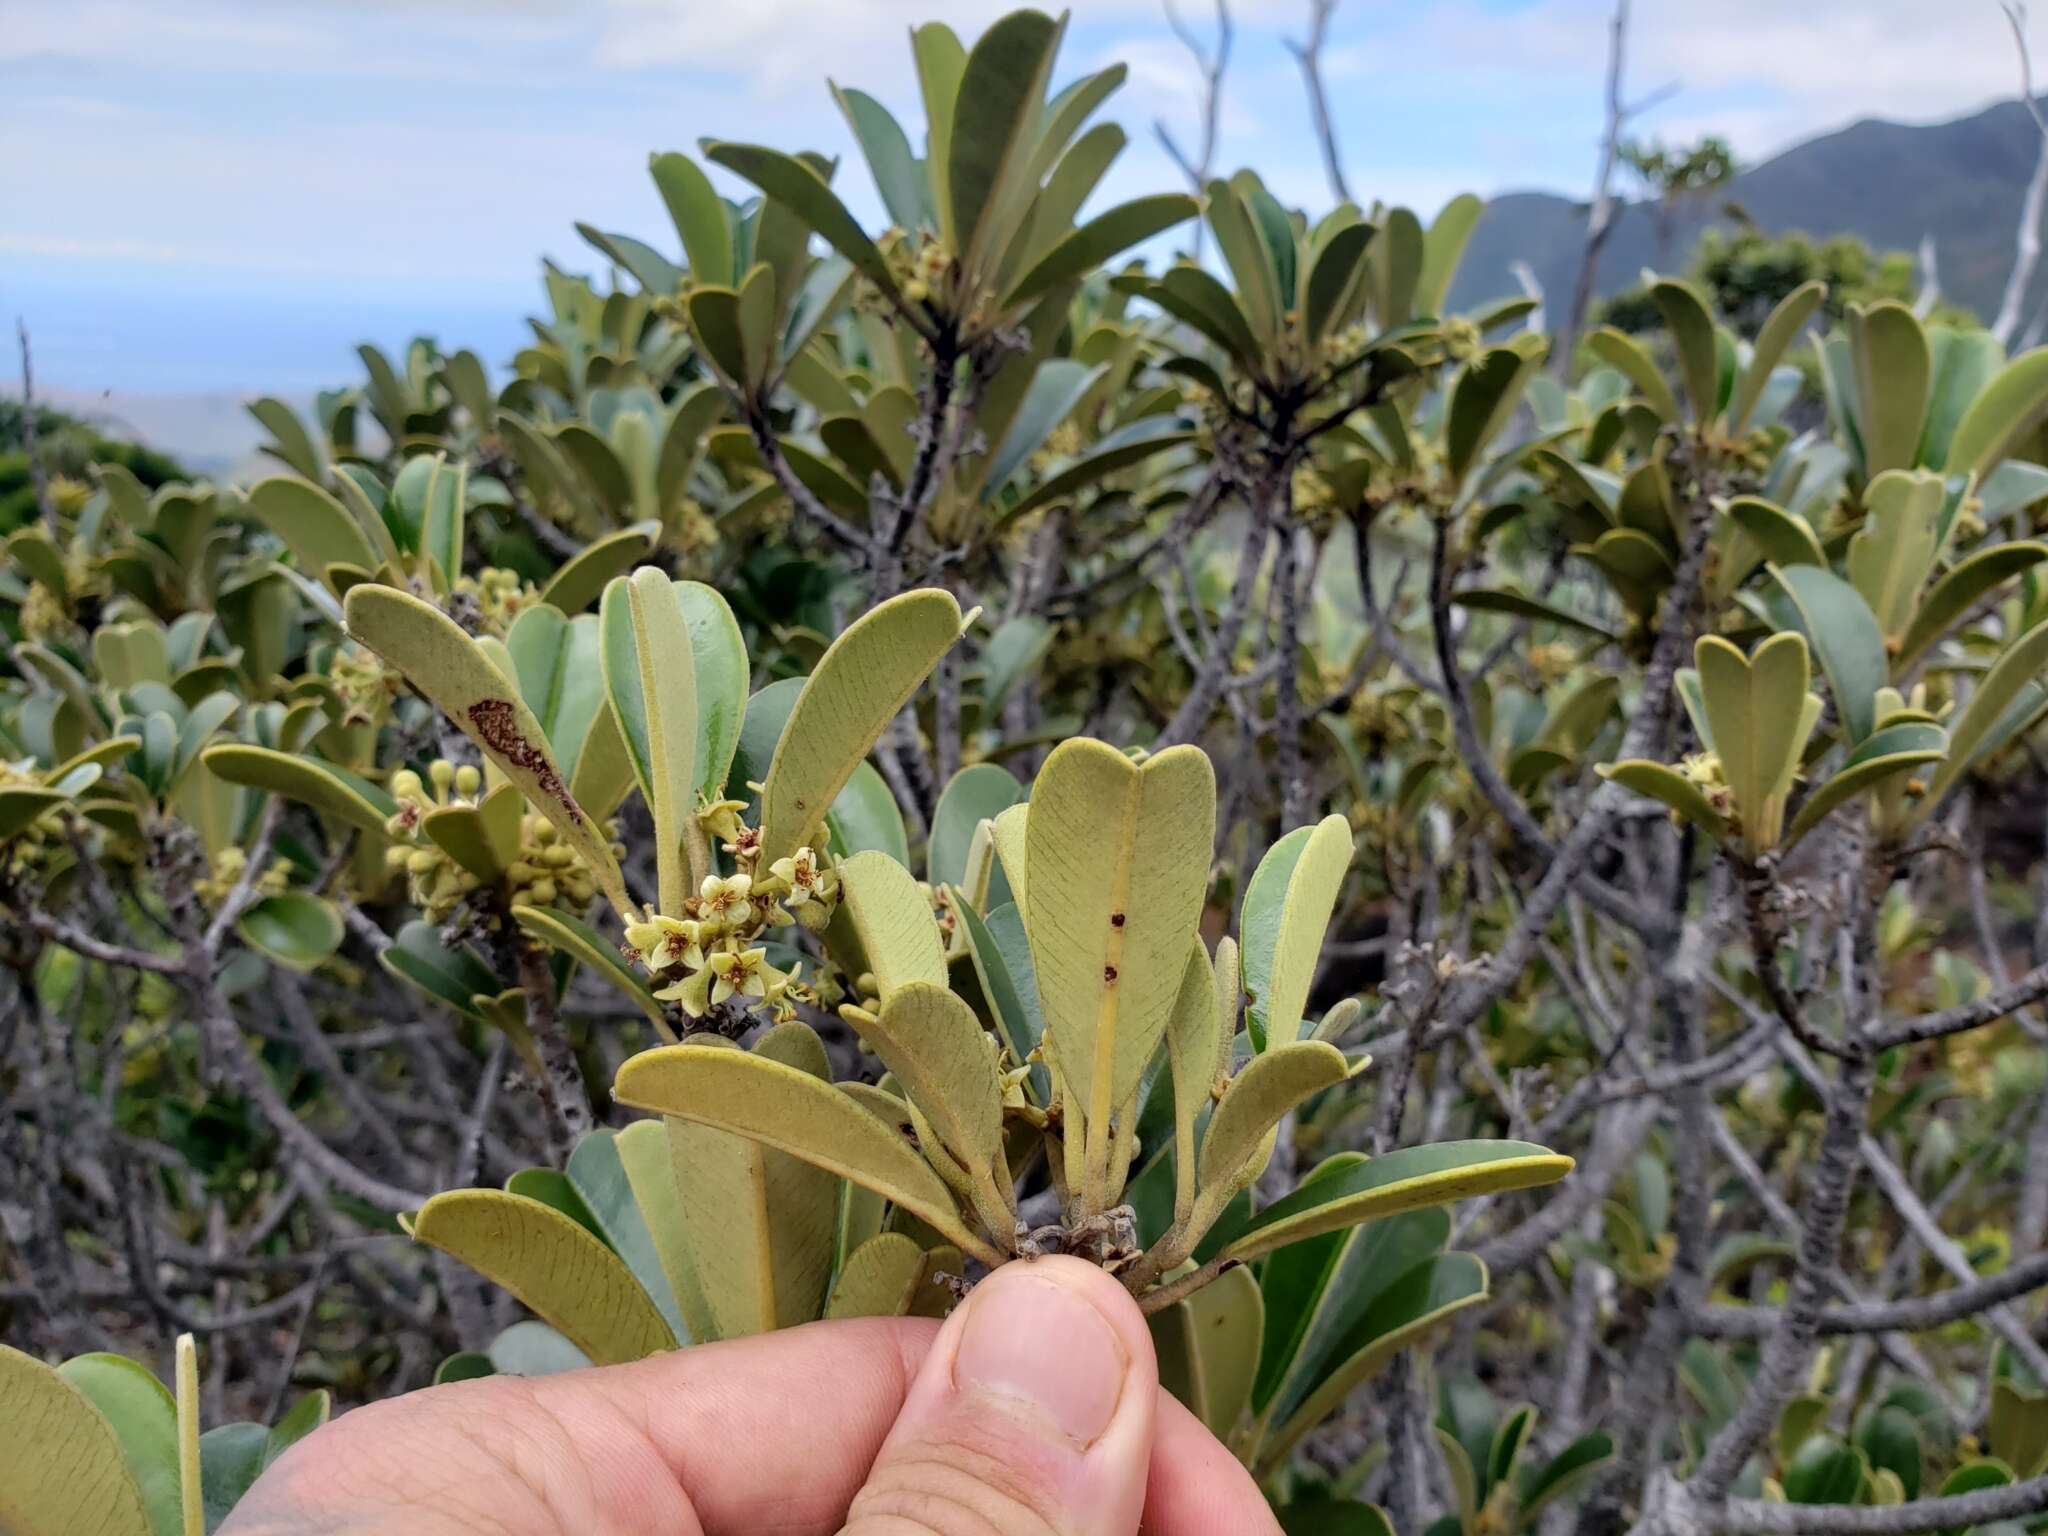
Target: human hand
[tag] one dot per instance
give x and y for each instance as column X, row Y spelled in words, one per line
column 1034, row 1410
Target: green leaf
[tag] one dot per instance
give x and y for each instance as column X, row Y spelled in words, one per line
column 1099, row 239
column 333, row 791
column 975, row 794
column 1271, row 1086
column 459, row 680
column 1567, row 1470
column 793, row 1111
column 316, row 528
column 1964, row 363
column 553, row 1265
column 1626, row 355
column 940, row 62
column 1885, row 753
column 1999, row 419
column 1248, row 257
column 1824, row 1471
column 1890, row 1439
column 890, row 922
column 1396, row 258
column 1316, row 1291
column 1888, row 351
column 898, row 175
column 868, row 674
column 1484, row 399
column 1961, row 589
column 646, row 1150
column 1119, row 864
column 1517, row 605
column 1208, row 1349
column 1691, row 325
column 699, row 215
column 1415, row 1303
column 454, row 976
column 575, row 938
column 63, row 1469
column 1287, row 907
column 1844, row 635
column 1404, row 1180
column 1195, row 1054
column 1972, row 727
column 584, row 576
column 793, row 183
column 715, row 326
column 650, row 676
column 1783, row 538
column 144, row 1418
column 1785, row 322
column 559, row 668
column 1333, row 1517
column 295, row 928
column 1001, row 956
column 1002, row 88
column 1198, row 299
column 2016, row 1430
column 1442, row 249
column 866, row 818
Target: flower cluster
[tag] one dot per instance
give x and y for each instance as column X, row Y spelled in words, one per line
column 489, row 601
column 545, row 871
column 226, row 873
column 711, row 953
column 363, row 686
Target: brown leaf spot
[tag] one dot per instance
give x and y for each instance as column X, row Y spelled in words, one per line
column 1116, row 919
column 496, row 722
column 1109, row 974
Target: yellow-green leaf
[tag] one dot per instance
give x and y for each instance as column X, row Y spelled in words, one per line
column 1406, row 1180
column 1894, row 372
column 758, row 1222
column 793, row 1111
column 1194, row 1051
column 1119, row 865
column 62, row 1472
column 646, row 1152
column 1793, row 311
column 1268, row 1089
column 1891, row 554
column 1757, row 709
column 1624, row 353
column 889, row 922
column 886, row 1276
column 859, row 684
column 193, row 1499
column 571, row 936
column 933, row 1045
column 553, row 1264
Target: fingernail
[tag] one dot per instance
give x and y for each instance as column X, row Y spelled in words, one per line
column 1031, row 1339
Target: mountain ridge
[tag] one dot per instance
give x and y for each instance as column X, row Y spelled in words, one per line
column 1960, row 180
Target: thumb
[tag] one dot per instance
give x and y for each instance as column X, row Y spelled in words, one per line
column 1032, row 1415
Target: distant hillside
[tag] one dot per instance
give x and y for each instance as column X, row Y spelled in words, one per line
column 1891, row 183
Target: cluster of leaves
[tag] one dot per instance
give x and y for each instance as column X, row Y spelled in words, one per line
column 811, row 787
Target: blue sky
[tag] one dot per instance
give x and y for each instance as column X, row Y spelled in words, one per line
column 226, row 195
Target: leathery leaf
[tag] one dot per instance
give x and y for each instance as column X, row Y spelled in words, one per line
column 553, row 1264
column 887, row 924
column 859, row 684
column 1287, row 906
column 1118, row 856
column 1269, row 1088
column 62, row 1472
column 787, row 1108
column 651, row 677
column 1208, row 1348
column 933, row 1045
column 889, row 1275
column 758, row 1222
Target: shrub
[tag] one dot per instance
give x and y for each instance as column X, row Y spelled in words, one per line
column 873, row 702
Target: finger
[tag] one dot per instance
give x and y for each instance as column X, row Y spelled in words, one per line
column 1033, row 1412
column 1196, row 1487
